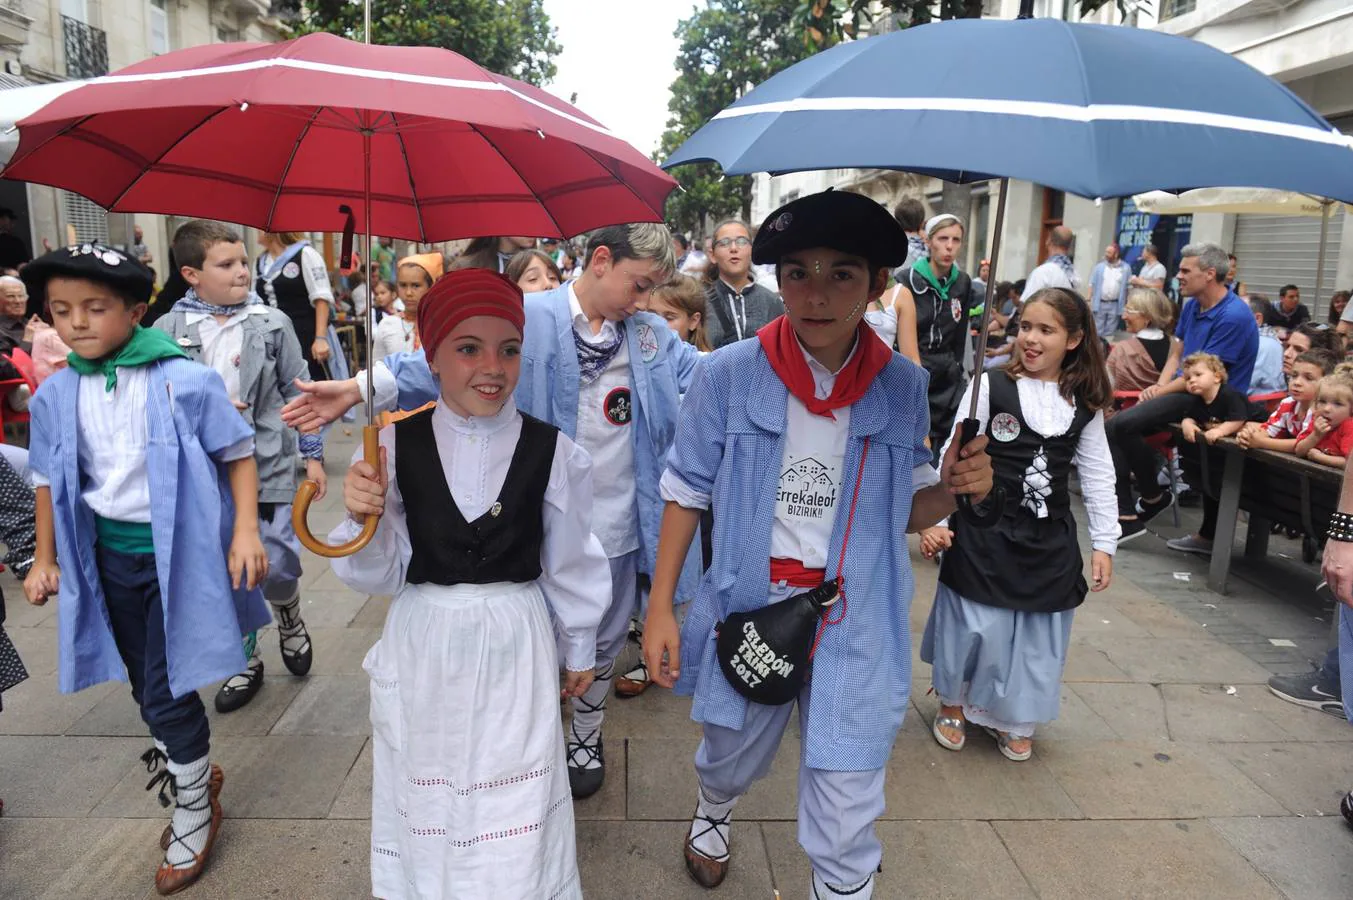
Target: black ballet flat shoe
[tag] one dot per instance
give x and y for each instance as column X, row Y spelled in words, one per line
column 239, row 689
column 586, row 782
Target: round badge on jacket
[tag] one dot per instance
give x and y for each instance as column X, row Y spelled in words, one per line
column 1004, row 427
column 617, row 406
column 648, row 342
column 956, row 307
column 291, row 270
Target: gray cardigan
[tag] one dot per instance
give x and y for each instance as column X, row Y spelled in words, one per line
column 762, row 306
column 270, row 361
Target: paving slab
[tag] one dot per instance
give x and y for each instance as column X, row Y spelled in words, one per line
column 262, row 713
column 1076, row 721
column 1180, row 660
column 354, row 797
column 1158, row 619
column 941, row 860
column 626, row 860
column 1087, row 662
column 1134, row 712
column 337, row 651
column 37, row 646
column 1104, row 860
column 64, row 777
column 1099, row 616
column 1307, row 779
column 263, row 858
column 656, row 713
column 1157, row 780
column 270, row 777
column 77, row 857
column 1307, row 859
column 372, row 614
column 35, row 706
column 1211, row 712
column 929, row 782
column 329, row 705
column 115, row 715
column 662, row 783
column 1300, row 723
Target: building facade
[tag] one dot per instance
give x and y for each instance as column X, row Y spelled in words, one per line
column 54, row 40
column 1307, row 45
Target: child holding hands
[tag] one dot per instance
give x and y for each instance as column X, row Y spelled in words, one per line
column 147, row 496
column 1328, row 439
column 485, row 536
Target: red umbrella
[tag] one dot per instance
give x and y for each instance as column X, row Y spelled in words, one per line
column 274, row 136
column 318, row 133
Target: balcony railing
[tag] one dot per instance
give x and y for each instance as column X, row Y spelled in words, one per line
column 1171, row 8
column 86, row 49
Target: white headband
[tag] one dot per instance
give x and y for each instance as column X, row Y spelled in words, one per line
column 935, row 223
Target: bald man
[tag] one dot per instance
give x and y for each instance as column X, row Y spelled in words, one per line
column 1058, row 270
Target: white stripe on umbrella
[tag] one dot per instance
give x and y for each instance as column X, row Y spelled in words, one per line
column 344, row 71
column 19, row 103
column 1042, row 110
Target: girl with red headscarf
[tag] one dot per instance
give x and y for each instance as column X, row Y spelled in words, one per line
column 486, row 542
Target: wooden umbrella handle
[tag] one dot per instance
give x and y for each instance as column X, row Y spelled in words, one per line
column 300, row 507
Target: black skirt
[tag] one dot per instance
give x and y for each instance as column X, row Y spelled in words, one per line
column 1022, row 563
column 12, row 671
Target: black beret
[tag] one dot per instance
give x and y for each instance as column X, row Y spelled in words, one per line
column 92, row 262
column 839, row 220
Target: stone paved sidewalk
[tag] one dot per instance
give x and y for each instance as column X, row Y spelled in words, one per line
column 1172, row 771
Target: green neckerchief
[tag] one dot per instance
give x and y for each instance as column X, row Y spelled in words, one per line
column 922, row 265
column 146, row 346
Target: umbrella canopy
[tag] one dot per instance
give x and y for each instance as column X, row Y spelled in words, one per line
column 1099, row 111
column 274, row 136
column 1252, row 201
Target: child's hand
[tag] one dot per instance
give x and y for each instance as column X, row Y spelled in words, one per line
column 1212, row 435
column 240, row 405
column 934, row 539
column 364, row 489
column 577, row 683
column 1321, row 425
column 248, row 561
column 1245, row 437
column 43, row 581
column 662, row 646
column 314, row 470
column 1101, row 570
column 1189, row 429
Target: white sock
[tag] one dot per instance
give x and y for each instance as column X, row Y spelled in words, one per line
column 589, row 711
column 192, row 813
column 290, row 625
column 860, row 890
column 711, row 826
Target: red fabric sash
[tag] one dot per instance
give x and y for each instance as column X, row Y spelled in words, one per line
column 785, row 354
column 793, row 573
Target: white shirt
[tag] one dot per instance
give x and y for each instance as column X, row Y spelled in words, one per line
column 812, row 466
column 1154, row 272
column 883, row 321
column 1048, row 275
column 605, row 417
column 1111, row 285
column 312, row 269
column 223, row 343
column 359, row 300
column 475, row 455
column 393, row 335
column 1048, row 413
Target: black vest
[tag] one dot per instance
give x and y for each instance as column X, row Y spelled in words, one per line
column 289, row 294
column 501, row 545
column 938, row 333
column 1010, row 459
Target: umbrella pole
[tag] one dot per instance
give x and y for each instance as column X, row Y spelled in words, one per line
column 995, row 507
column 1320, row 259
column 371, row 452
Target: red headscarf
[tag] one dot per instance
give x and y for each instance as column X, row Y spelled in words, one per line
column 785, row 354
column 463, row 294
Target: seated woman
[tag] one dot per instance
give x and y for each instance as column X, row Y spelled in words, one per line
column 1136, row 363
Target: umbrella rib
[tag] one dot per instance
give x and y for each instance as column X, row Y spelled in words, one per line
column 488, row 140
column 286, row 170
column 408, row 170
column 622, row 182
column 165, row 152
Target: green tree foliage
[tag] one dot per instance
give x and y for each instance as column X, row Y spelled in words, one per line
column 727, row 48
column 511, row 37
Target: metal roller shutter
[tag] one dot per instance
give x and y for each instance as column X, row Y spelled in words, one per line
column 89, row 220
column 1278, row 250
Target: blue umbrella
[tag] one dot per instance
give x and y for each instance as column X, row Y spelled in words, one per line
column 1094, row 110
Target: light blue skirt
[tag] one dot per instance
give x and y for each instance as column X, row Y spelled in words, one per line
column 1004, row 667
column 1346, row 658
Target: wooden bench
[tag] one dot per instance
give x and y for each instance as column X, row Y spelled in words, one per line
column 1274, row 488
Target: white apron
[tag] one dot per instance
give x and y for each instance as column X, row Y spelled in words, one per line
column 470, row 797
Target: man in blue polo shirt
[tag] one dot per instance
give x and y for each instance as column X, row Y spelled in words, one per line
column 1214, row 320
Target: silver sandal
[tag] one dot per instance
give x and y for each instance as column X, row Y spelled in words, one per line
column 1003, row 742
column 957, row 723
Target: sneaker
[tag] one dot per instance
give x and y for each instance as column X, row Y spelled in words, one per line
column 1132, row 528
column 1148, row 510
column 1308, row 691
column 1190, row 543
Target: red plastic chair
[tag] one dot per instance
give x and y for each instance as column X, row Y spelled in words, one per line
column 1162, row 442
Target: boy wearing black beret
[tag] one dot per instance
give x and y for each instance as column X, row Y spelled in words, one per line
column 147, row 525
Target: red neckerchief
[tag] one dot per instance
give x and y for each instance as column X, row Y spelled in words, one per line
column 785, row 355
